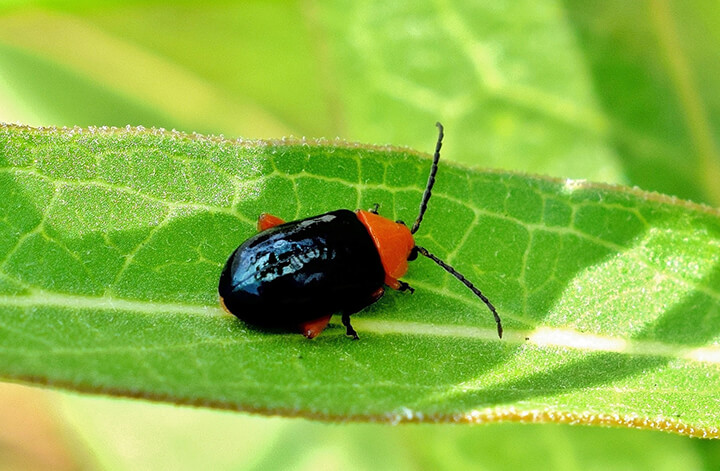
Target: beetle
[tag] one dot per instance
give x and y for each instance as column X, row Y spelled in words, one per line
column 296, row 275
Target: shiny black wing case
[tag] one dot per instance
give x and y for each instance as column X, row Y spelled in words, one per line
column 303, row 270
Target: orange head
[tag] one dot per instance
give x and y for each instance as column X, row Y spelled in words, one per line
column 394, row 242
column 396, row 246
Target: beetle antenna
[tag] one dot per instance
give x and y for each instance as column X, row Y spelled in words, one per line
column 464, row 281
column 431, row 180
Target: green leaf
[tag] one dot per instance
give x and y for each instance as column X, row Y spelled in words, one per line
column 111, row 243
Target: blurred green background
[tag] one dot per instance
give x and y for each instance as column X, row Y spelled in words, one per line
column 612, row 91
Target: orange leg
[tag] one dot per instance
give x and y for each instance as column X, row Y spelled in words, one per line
column 222, row 304
column 377, row 294
column 398, row 285
column 312, row 329
column 266, row 221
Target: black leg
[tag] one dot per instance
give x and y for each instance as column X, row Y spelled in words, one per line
column 350, row 331
column 406, row 287
column 375, row 208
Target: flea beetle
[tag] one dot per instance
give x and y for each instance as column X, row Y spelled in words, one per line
column 296, row 275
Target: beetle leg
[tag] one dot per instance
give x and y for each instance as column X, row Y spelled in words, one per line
column 266, row 221
column 377, row 294
column 350, row 331
column 399, row 285
column 312, row 328
column 406, row 287
column 375, row 208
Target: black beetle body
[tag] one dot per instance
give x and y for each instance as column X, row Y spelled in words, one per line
column 298, row 274
column 303, row 270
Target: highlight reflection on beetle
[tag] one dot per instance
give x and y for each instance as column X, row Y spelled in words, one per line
column 296, row 275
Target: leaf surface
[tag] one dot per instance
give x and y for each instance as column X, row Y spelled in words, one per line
column 111, row 244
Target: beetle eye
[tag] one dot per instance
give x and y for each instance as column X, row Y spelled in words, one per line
column 399, row 221
column 413, row 254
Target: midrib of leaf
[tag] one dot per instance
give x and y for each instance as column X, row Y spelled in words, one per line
column 39, row 297
column 539, row 336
